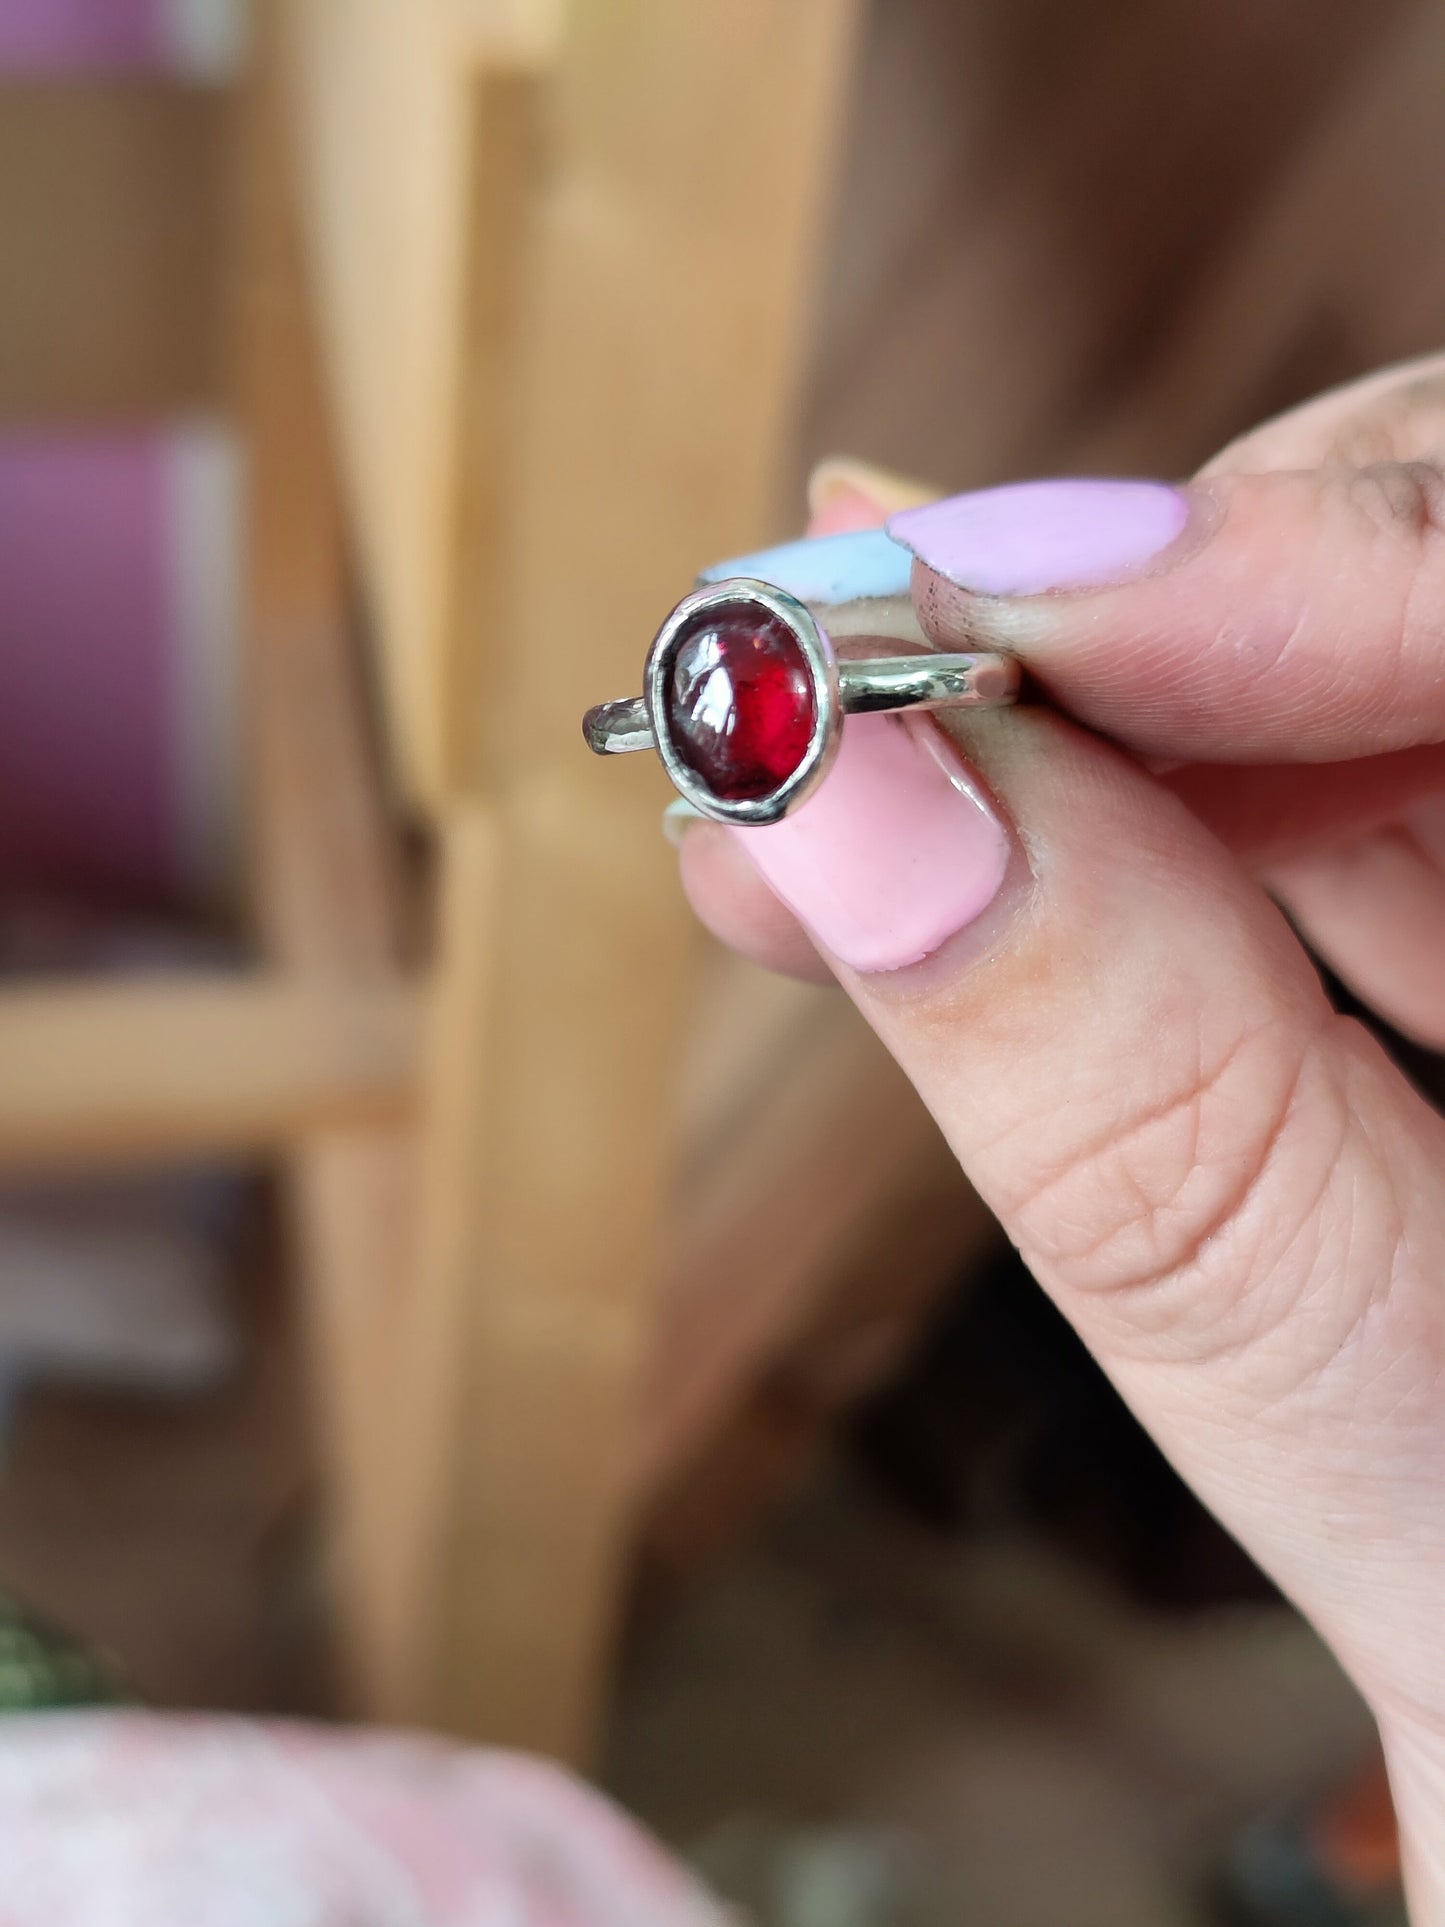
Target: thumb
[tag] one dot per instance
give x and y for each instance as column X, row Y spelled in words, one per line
column 1227, row 1188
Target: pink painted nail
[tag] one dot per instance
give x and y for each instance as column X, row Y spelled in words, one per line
column 895, row 851
column 1033, row 536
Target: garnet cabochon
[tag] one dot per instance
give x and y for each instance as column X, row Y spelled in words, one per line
column 741, row 706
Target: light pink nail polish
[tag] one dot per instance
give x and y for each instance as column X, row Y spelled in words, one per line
column 895, row 851
column 1033, row 536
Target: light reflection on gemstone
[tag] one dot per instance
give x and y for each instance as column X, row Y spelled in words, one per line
column 741, row 706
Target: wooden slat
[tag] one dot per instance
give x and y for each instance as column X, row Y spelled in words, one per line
column 648, row 385
column 555, row 393
column 423, row 1473
column 328, row 891
column 383, row 102
column 114, row 230
column 189, row 1067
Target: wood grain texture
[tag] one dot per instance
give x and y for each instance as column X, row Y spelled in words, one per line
column 192, row 1068
column 429, row 1470
column 329, row 894
column 384, row 101
column 115, row 223
column 560, row 954
column 635, row 397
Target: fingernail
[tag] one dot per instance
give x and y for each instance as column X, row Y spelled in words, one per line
column 1033, row 536
column 677, row 819
column 857, row 581
column 844, row 493
column 894, row 852
column 859, row 565
column 844, row 510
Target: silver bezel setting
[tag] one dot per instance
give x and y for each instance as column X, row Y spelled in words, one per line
column 822, row 666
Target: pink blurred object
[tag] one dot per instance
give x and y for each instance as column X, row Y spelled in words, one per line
column 118, row 605
column 84, row 636
column 141, row 1821
column 58, row 36
column 197, row 39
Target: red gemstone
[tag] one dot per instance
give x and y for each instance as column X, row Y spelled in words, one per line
column 741, row 707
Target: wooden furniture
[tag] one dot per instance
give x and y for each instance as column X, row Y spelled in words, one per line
column 566, row 264
column 508, row 353
column 523, row 308
column 563, row 347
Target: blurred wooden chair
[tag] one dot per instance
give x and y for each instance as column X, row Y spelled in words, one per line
column 508, row 307
column 114, row 219
column 561, row 262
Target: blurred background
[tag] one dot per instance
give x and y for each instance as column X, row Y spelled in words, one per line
column 436, row 1287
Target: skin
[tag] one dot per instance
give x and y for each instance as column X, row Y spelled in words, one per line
column 1229, row 1189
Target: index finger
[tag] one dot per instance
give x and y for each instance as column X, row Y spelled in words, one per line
column 1246, row 617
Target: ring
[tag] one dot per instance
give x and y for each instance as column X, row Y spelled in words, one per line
column 744, row 695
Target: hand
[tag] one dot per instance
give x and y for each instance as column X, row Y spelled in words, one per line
column 1228, row 1189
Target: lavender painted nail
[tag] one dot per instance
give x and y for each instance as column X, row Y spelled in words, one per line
column 1032, row 536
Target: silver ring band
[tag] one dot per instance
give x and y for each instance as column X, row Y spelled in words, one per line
column 744, row 696
column 866, row 686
